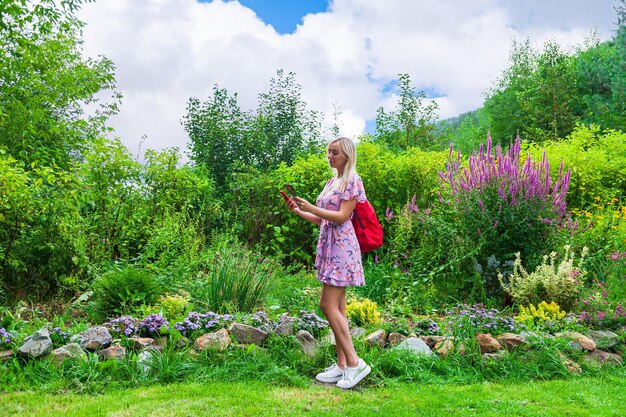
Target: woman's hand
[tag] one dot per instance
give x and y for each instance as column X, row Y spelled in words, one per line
column 291, row 205
column 304, row 205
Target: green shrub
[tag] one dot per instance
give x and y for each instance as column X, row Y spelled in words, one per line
column 363, row 312
column 122, row 291
column 550, row 282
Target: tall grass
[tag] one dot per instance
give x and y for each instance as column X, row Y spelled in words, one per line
column 234, row 278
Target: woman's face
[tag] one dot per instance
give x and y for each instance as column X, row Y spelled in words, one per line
column 336, row 159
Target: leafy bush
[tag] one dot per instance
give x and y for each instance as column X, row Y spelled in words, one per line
column 174, row 305
column 121, row 291
column 363, row 312
column 560, row 284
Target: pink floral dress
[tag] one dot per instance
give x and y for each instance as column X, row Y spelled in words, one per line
column 338, row 255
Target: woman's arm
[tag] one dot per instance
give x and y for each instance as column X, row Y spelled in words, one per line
column 339, row 217
column 292, row 206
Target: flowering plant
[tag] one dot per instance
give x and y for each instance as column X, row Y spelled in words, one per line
column 123, row 325
column 477, row 318
column 427, row 326
column 154, row 325
column 5, row 338
column 597, row 311
column 502, row 205
column 200, row 323
column 312, row 323
column 260, row 321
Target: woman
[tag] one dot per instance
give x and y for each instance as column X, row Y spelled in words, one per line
column 338, row 256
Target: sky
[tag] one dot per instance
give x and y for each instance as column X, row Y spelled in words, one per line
column 344, row 53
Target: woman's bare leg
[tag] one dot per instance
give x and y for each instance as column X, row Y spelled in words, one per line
column 333, row 304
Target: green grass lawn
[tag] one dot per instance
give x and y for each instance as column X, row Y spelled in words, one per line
column 577, row 396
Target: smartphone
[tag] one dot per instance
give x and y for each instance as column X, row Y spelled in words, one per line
column 290, row 190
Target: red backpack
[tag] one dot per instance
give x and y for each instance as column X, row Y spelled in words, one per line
column 368, row 230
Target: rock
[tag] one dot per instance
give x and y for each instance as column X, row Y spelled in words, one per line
column 5, row 355
column 510, row 340
column 247, row 334
column 285, row 328
column 218, row 341
column 93, row 339
column 604, row 339
column 602, row 357
column 571, row 366
column 141, row 343
column 487, row 343
column 444, row 347
column 584, row 341
column 378, row 338
column 357, row 332
column 69, row 351
column 394, row 338
column 144, row 359
column 37, row 344
column 308, row 342
column 431, row 341
column 115, row 352
column 415, row 345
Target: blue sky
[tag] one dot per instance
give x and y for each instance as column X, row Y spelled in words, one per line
column 285, row 15
column 345, row 53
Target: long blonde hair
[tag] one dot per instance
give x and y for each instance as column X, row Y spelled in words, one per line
column 347, row 148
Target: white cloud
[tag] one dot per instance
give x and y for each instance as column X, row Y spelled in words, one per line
column 166, row 51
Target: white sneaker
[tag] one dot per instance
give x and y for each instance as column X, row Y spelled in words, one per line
column 331, row 374
column 352, row 376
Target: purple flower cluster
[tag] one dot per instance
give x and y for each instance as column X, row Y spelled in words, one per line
column 599, row 312
column 261, row 321
column 5, row 337
column 515, row 183
column 154, row 324
column 480, row 318
column 312, row 323
column 617, row 255
column 203, row 322
column 427, row 327
column 124, row 325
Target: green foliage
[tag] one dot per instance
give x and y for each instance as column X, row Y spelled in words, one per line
column 412, row 124
column 122, row 290
column 174, row 306
column 550, row 282
column 233, row 279
column 46, row 82
column 597, row 160
column 226, row 140
column 363, row 312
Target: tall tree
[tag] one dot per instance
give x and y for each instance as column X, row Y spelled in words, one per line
column 536, row 96
column 412, row 123
column 45, row 82
column 217, row 133
column 285, row 128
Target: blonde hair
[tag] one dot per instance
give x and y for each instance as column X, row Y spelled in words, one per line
column 347, row 148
